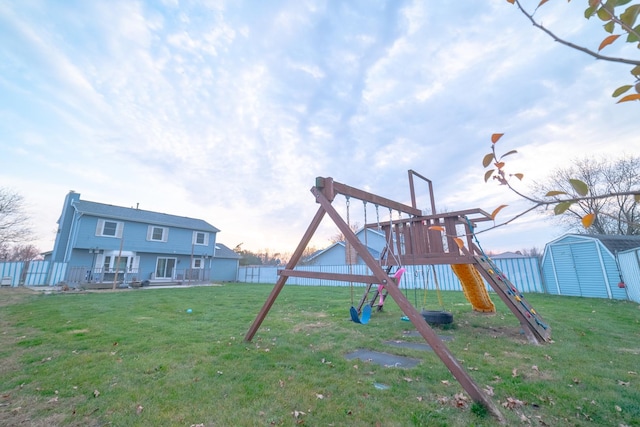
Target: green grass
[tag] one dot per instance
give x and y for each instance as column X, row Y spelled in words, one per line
column 136, row 358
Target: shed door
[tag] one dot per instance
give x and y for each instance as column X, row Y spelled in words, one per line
column 568, row 282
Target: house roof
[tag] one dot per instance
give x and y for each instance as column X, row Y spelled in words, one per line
column 223, row 251
column 140, row 215
column 613, row 243
column 505, row 255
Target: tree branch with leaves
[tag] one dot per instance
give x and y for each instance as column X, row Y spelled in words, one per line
column 572, row 196
column 618, row 16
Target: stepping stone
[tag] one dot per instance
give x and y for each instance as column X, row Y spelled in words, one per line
column 383, row 359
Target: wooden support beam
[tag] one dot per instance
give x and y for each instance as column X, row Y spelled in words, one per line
column 340, row 277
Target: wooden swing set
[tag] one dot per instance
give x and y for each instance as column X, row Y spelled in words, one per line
column 415, row 239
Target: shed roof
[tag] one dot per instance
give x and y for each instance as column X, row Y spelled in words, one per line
column 618, row 243
column 613, row 243
column 140, row 215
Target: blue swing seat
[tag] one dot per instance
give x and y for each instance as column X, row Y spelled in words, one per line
column 366, row 315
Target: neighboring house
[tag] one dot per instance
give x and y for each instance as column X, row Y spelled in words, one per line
column 225, row 264
column 586, row 265
column 336, row 254
column 506, row 255
column 104, row 243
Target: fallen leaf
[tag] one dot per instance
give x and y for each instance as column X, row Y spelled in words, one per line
column 419, row 398
column 576, row 380
column 281, row 383
column 445, row 382
column 139, row 409
column 512, row 403
column 53, row 400
column 319, row 396
column 489, row 390
column 619, row 409
column 96, row 393
column 460, row 400
column 298, row 414
column 408, row 379
column 535, row 368
column 623, row 383
column 442, row 400
column 514, row 372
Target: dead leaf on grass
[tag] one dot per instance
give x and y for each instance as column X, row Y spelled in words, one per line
column 298, row 414
column 460, row 400
column 139, row 409
column 512, row 403
column 96, row 393
column 514, row 372
column 489, row 390
column 445, row 382
column 624, row 383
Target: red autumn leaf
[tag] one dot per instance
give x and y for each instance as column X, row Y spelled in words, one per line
column 608, row 40
column 634, row 97
column 496, row 137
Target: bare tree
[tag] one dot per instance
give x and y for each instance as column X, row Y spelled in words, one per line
column 20, row 253
column 617, row 214
column 339, row 236
column 14, row 222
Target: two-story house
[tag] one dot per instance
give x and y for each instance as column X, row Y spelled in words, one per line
column 101, row 243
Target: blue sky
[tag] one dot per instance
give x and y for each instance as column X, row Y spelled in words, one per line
column 228, row 110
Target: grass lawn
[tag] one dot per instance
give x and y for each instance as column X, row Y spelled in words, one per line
column 137, row 358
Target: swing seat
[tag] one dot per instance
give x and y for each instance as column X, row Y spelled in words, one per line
column 437, row 317
column 366, row 315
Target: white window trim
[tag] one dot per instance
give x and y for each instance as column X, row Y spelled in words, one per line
column 165, row 233
column 195, row 260
column 100, row 228
column 195, row 238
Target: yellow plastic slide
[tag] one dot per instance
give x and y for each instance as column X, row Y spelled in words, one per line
column 474, row 288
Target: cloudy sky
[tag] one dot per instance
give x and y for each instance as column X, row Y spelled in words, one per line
column 228, row 110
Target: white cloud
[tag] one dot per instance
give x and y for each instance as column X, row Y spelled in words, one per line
column 227, row 112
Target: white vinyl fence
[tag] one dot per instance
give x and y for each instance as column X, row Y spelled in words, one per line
column 524, row 273
column 32, row 273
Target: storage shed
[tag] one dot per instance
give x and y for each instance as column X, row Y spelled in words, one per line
column 586, row 265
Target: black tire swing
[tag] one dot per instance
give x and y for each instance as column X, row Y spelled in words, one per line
column 435, row 317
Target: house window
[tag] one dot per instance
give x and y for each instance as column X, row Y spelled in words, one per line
column 157, row 234
column 108, row 228
column 198, row 263
column 200, row 238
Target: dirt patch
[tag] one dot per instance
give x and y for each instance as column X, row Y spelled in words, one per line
column 307, row 327
column 11, row 296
